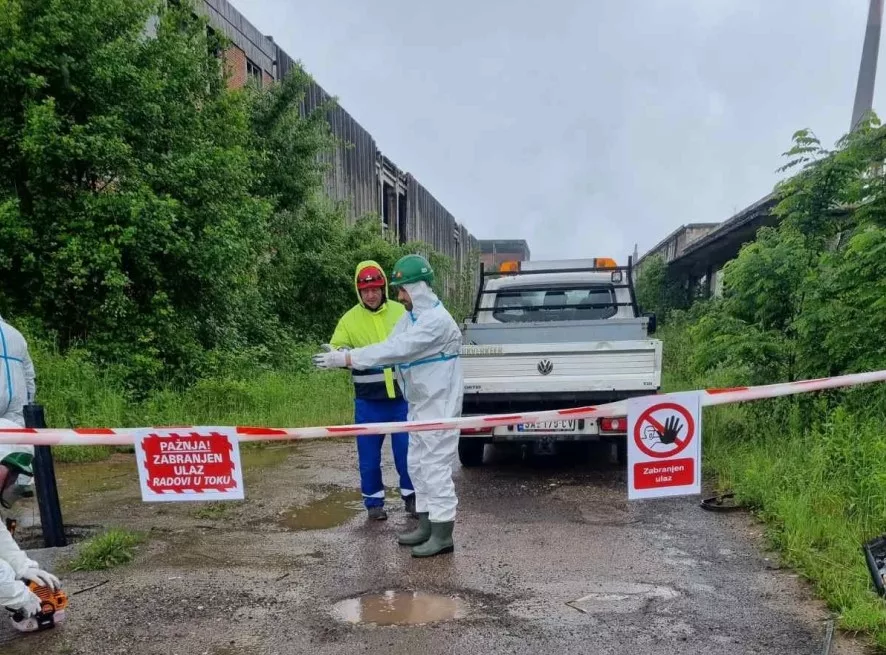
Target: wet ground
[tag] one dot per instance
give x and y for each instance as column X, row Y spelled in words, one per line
column 550, row 558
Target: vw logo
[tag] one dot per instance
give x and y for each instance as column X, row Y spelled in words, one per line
column 545, row 367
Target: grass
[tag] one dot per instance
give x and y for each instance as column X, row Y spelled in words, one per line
column 75, row 393
column 211, row 510
column 814, row 473
column 109, row 549
column 81, row 455
column 821, row 495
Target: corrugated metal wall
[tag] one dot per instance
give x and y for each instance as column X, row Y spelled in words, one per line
column 225, row 17
column 431, row 222
column 353, row 177
column 353, row 174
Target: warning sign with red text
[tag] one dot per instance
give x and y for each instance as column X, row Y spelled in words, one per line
column 664, row 446
column 183, row 464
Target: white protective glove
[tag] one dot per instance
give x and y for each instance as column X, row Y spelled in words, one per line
column 42, row 578
column 31, row 605
column 330, row 360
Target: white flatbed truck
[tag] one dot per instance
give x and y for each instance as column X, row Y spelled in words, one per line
column 554, row 335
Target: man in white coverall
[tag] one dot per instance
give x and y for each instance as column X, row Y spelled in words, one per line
column 16, row 568
column 424, row 348
column 17, row 379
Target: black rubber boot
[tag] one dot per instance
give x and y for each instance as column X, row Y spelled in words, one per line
column 377, row 514
column 418, row 536
column 409, row 501
column 440, row 542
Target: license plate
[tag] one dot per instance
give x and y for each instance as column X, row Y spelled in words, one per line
column 547, row 426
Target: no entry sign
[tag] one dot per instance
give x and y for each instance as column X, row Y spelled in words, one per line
column 664, row 446
column 189, row 464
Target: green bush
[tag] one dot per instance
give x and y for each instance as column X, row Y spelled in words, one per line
column 658, row 291
column 155, row 224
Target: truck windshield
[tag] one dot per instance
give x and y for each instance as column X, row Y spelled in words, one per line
column 578, row 303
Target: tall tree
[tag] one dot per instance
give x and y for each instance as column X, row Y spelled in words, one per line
column 125, row 181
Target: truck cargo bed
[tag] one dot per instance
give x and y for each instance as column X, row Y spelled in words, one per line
column 562, row 367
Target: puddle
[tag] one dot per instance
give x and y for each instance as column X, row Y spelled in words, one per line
column 399, row 608
column 335, row 508
column 621, row 597
column 261, row 457
column 79, row 481
column 327, row 512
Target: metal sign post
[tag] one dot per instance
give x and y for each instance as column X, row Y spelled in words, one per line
column 44, row 481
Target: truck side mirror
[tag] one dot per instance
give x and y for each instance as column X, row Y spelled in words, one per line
column 653, row 323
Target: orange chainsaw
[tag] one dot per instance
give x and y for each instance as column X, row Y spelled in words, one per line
column 52, row 610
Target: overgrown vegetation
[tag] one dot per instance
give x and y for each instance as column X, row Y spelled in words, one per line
column 155, row 223
column 77, row 392
column 107, row 550
column 804, row 300
column 657, row 291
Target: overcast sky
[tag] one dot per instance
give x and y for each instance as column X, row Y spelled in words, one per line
column 583, row 126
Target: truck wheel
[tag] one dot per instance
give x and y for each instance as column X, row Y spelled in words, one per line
column 470, row 451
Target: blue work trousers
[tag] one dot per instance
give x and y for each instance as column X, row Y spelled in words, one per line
column 369, row 449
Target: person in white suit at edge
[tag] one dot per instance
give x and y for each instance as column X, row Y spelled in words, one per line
column 16, row 568
column 18, row 385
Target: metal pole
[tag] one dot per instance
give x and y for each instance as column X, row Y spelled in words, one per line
column 867, row 70
column 44, row 481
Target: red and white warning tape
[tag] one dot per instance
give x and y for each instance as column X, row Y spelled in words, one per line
column 709, row 397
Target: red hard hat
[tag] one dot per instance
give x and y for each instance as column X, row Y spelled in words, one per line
column 370, row 278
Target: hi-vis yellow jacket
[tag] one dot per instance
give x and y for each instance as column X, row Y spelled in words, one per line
column 362, row 327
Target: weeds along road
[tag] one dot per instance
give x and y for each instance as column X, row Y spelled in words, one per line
column 549, row 559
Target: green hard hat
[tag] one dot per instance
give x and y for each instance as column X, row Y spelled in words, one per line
column 22, row 463
column 411, row 269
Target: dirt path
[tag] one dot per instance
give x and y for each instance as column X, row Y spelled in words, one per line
column 548, row 560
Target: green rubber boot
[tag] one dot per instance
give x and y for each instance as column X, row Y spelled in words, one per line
column 440, row 542
column 418, row 536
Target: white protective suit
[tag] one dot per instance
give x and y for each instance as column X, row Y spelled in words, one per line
column 14, row 565
column 17, row 382
column 424, row 347
column 17, row 378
